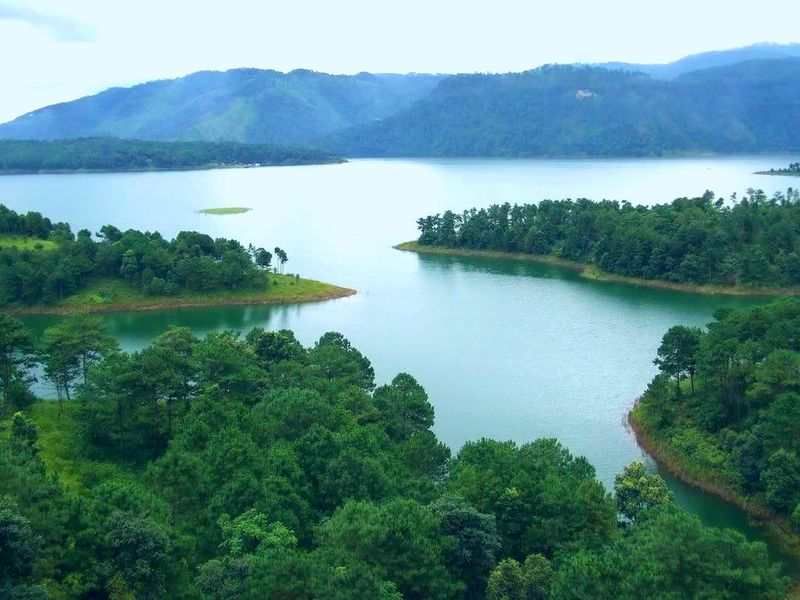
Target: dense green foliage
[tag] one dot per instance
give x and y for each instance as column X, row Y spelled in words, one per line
column 669, row 556
column 109, row 154
column 244, row 468
column 17, row 356
column 192, row 261
column 586, row 111
column 752, row 241
column 741, row 424
column 241, row 105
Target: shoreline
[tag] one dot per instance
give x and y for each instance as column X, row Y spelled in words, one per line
column 777, row 528
column 591, row 272
column 207, row 167
column 779, row 173
column 167, row 303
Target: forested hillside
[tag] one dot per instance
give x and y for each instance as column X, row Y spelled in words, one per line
column 725, row 409
column 745, row 104
column 241, row 105
column 109, row 154
column 251, row 467
column 751, row 241
column 586, row 111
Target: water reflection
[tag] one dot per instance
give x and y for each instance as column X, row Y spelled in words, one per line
column 509, row 350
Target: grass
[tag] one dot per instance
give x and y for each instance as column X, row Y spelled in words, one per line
column 21, row 242
column 230, row 210
column 59, row 447
column 589, row 271
column 109, row 295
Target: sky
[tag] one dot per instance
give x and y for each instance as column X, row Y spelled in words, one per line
column 57, row 50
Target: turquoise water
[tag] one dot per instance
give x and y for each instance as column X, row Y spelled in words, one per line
column 509, row 350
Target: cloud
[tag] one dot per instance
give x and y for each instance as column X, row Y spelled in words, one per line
column 63, row 29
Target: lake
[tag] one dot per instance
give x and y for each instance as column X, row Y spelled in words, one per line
column 505, row 349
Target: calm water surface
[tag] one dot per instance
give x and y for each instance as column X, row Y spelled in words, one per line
column 505, row 350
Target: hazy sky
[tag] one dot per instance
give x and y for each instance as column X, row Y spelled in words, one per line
column 55, row 50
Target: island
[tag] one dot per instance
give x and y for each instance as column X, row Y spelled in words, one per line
column 47, row 269
column 723, row 413
column 90, row 155
column 744, row 246
column 228, row 210
column 793, row 170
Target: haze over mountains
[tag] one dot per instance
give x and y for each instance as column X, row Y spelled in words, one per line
column 587, row 111
column 707, row 60
column 741, row 100
column 241, row 105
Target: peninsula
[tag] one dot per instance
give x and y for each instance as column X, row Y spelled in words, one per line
column 47, row 269
column 98, row 155
column 744, row 246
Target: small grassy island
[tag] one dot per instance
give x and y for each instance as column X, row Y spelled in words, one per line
column 724, row 412
column 114, row 155
column 748, row 246
column 793, row 170
column 230, row 210
column 46, row 269
column 252, row 467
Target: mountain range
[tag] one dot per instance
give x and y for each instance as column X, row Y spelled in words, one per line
column 241, row 105
column 740, row 100
column 752, row 106
column 707, row 60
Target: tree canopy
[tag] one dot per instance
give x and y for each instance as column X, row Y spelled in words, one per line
column 741, row 425
column 192, row 261
column 750, row 241
column 247, row 467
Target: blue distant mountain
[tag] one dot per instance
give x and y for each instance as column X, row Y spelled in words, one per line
column 753, row 106
column 707, row 60
column 740, row 100
column 241, row 105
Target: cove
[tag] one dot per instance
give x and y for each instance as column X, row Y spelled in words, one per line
column 505, row 349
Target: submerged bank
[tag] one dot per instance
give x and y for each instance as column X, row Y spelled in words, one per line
column 590, row 271
column 778, row 529
column 106, row 296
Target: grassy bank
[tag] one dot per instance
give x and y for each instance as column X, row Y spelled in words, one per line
column 21, row 242
column 60, row 449
column 684, row 468
column 589, row 271
column 116, row 295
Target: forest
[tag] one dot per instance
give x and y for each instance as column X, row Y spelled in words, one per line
column 750, row 241
column 727, row 403
column 252, row 106
column 701, row 105
column 244, row 467
column 111, row 154
column 579, row 110
column 42, row 262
